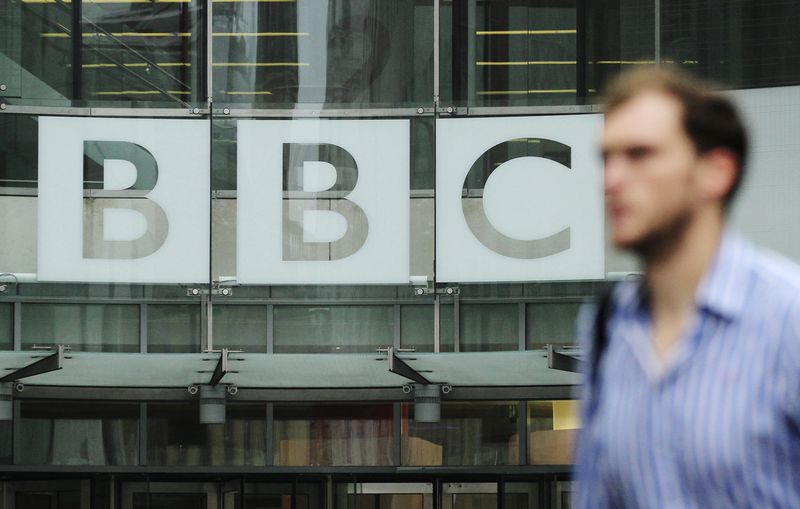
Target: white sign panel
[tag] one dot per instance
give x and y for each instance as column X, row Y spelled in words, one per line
column 323, row 201
column 153, row 230
column 519, row 199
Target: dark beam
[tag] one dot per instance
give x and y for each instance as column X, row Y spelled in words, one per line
column 560, row 361
column 52, row 362
column 221, row 369
column 399, row 367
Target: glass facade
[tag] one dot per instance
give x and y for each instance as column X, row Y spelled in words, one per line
column 307, row 185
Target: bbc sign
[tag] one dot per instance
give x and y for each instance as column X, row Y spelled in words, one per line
column 517, row 199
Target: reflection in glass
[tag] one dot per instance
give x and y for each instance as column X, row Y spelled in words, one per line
column 489, row 327
column 85, row 327
column 307, row 435
column 176, row 437
column 367, row 53
column 522, row 495
column 240, row 327
column 551, row 428
column 18, row 167
column 551, row 323
column 72, row 433
column 539, row 53
column 307, row 329
column 479, row 433
column 145, row 53
column 416, row 327
column 263, row 495
column 469, row 495
column 741, row 44
column 6, row 326
column 36, row 50
column 173, row 328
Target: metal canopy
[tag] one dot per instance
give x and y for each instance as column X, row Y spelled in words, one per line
column 560, row 361
column 465, row 369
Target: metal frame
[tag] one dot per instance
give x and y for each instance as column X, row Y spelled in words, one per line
column 283, row 395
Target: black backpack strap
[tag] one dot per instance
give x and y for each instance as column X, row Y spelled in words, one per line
column 600, row 339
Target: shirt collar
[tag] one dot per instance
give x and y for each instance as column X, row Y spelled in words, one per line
column 722, row 290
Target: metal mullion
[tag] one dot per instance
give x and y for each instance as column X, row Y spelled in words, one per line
column 208, row 12
column 270, row 426
column 581, row 88
column 17, row 325
column 456, row 323
column 143, row 328
column 142, row 434
column 77, row 49
column 522, row 431
column 436, row 50
column 16, row 436
column 657, row 30
column 522, row 324
column 270, row 328
column 397, row 325
column 437, row 329
column 398, row 436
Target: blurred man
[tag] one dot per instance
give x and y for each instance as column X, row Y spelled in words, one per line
column 693, row 373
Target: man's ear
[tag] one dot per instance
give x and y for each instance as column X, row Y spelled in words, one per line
column 719, row 170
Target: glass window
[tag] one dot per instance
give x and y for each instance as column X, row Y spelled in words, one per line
column 143, row 53
column 173, row 328
column 85, row 327
column 365, row 53
column 523, row 495
column 311, row 435
column 176, row 437
column 469, row 495
column 6, row 326
column 489, row 327
column 73, row 433
column 36, row 52
column 240, row 327
column 333, row 328
column 263, row 495
column 748, row 43
column 469, row 433
column 18, row 159
column 416, row 327
column 551, row 428
column 551, row 323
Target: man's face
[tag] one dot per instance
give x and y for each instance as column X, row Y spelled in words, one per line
column 650, row 177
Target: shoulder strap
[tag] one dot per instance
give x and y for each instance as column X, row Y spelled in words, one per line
column 600, row 339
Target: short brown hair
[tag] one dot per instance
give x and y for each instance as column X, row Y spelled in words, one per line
column 709, row 119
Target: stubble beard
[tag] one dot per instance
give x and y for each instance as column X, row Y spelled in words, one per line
column 660, row 242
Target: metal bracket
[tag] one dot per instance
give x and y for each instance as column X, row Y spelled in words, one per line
column 560, row 361
column 52, row 362
column 222, row 368
column 452, row 110
column 196, row 292
column 447, row 290
column 399, row 367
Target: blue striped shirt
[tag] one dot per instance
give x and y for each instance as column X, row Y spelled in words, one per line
column 719, row 424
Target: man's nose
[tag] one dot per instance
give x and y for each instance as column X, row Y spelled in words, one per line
column 613, row 174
